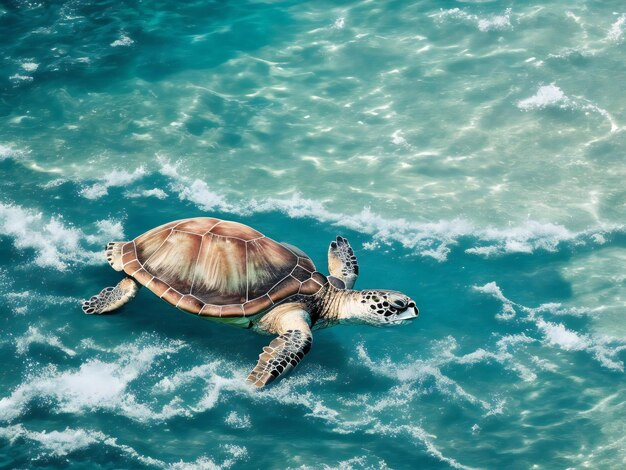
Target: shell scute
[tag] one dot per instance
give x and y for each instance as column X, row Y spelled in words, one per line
column 233, row 229
column 172, row 296
column 232, row 311
column 284, row 288
column 306, row 263
column 301, row 274
column 220, row 271
column 309, row 287
column 132, row 267
column 319, row 278
column 174, row 261
column 190, row 304
column 267, row 263
column 158, row 287
column 210, row 310
column 257, row 305
column 147, row 244
column 143, row 276
column 128, row 257
column 197, row 226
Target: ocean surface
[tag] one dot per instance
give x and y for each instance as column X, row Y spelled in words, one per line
column 473, row 152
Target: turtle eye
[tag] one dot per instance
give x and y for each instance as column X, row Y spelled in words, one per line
column 399, row 304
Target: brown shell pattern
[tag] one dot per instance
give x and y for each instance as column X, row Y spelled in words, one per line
column 218, row 268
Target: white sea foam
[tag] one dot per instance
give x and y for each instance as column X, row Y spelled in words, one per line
column 222, row 380
column 108, row 230
column 9, row 151
column 339, row 23
column 53, row 183
column 556, row 308
column 502, row 355
column 96, row 384
column 427, row 239
column 155, row 192
column 552, row 96
column 34, row 336
column 5, row 152
column 604, row 349
column 21, row 78
column 557, row 334
column 484, row 24
column 496, row 22
column 199, row 193
column 398, row 139
column 181, row 378
column 492, row 289
column 588, row 106
column 113, row 178
column 238, row 421
column 547, row 95
column 364, row 462
column 418, row 433
column 420, row 372
column 55, row 244
column 616, row 32
column 29, row 66
column 63, row 443
column 293, row 390
column 122, row 41
column 58, row 443
column 22, row 300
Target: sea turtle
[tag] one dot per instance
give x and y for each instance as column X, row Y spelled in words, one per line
column 229, row 272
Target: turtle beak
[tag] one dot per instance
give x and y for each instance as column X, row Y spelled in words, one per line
column 411, row 313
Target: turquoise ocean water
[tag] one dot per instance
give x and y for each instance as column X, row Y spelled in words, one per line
column 472, row 152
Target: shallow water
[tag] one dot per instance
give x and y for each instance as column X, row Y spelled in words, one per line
column 472, row 152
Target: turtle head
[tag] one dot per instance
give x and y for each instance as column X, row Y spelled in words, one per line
column 384, row 307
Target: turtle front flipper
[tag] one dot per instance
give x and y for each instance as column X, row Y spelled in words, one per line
column 286, row 351
column 342, row 264
column 111, row 298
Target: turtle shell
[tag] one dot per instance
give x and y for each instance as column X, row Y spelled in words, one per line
column 218, row 268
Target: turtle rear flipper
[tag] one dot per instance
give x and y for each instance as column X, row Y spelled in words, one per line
column 111, row 298
column 113, row 253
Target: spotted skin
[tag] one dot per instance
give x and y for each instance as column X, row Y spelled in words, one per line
column 385, row 305
column 342, row 263
column 111, row 298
